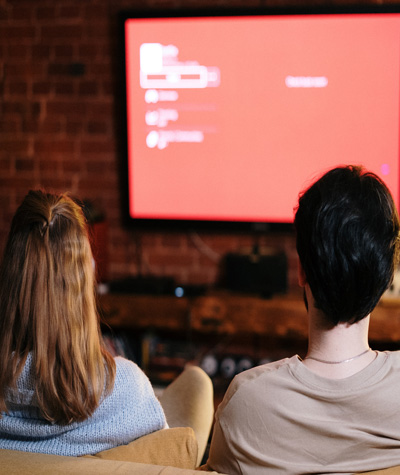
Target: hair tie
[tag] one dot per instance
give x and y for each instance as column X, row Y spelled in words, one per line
column 44, row 228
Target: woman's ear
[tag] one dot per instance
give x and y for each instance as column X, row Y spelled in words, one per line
column 301, row 274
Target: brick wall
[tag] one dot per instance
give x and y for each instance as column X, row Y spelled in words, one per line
column 58, row 129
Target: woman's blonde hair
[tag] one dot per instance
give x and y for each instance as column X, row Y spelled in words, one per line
column 48, row 309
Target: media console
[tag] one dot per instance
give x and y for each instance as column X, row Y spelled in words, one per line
column 222, row 328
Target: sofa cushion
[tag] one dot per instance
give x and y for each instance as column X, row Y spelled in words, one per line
column 175, row 447
column 386, row 471
column 13, row 462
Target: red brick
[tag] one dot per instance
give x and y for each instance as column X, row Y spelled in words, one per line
column 17, row 32
column 166, row 3
column 64, row 51
column 58, row 69
column 23, row 165
column 96, row 127
column 97, row 147
column 51, row 126
column 109, row 87
column 98, row 29
column 15, row 146
column 61, row 31
column 5, row 164
column 47, row 164
column 46, row 13
column 99, row 167
column 201, row 276
column 100, row 12
column 74, row 127
column 10, row 125
column 100, row 69
column 41, row 87
column 88, row 88
column 21, row 13
column 88, row 51
column 100, row 183
column 30, row 109
column 53, row 146
column 71, row 11
column 102, row 108
column 66, row 108
column 5, row 201
column 56, row 184
column 173, row 240
column 64, row 88
column 40, row 51
column 18, row 51
column 17, row 69
column 71, row 165
column 169, row 259
column 152, row 239
column 4, row 13
column 30, row 125
column 18, row 88
column 113, row 213
column 17, row 182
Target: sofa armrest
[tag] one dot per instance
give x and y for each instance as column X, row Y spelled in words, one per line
column 189, row 402
column 385, row 471
column 14, row 462
column 175, row 447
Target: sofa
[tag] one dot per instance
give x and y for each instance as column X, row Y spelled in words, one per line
column 189, row 408
column 386, row 471
column 188, row 405
column 166, row 452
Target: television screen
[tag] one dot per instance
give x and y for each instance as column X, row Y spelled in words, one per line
column 228, row 117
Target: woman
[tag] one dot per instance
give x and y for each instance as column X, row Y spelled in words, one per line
column 61, row 392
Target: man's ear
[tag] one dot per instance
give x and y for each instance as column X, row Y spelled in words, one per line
column 301, row 274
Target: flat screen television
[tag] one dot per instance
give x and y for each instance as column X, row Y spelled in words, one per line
column 230, row 114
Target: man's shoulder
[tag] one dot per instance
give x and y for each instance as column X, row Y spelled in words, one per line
column 393, row 355
column 247, row 380
column 391, row 359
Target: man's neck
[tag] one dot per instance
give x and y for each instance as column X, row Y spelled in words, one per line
column 336, row 342
column 335, row 345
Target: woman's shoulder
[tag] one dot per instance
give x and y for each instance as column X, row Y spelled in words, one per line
column 125, row 365
column 128, row 370
column 130, row 379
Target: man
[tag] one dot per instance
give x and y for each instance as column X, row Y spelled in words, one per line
column 338, row 409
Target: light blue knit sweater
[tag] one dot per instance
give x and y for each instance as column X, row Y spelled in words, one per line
column 130, row 411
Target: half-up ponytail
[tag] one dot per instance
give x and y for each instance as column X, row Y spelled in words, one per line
column 47, row 308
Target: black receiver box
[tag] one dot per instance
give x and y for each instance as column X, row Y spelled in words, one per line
column 256, row 273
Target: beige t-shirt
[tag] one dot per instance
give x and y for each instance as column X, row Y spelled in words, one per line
column 281, row 418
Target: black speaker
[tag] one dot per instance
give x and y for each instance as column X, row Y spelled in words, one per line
column 261, row 274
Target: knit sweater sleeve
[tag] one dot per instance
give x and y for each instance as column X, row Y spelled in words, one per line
column 132, row 410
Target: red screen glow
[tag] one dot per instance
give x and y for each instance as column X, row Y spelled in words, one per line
column 229, row 118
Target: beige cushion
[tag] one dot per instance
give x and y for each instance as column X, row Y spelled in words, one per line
column 13, row 462
column 189, row 402
column 387, row 471
column 176, row 447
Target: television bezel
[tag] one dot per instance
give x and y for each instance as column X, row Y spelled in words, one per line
column 184, row 225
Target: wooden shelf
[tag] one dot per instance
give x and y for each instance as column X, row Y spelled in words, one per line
column 144, row 311
column 227, row 314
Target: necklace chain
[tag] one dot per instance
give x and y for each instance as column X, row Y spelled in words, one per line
column 337, row 362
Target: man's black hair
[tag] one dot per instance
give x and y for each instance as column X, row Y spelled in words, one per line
column 347, row 238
